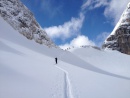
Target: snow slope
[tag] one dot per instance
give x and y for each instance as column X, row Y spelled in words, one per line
column 28, row 70
column 25, row 73
column 110, row 61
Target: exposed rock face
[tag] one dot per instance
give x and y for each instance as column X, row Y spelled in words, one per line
column 119, row 39
column 21, row 19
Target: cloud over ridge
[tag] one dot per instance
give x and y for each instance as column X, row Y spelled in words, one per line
column 78, row 41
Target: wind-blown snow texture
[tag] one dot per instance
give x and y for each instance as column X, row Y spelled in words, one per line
column 28, row 70
column 22, row 20
column 119, row 39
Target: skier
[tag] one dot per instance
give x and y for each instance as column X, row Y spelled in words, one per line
column 56, row 60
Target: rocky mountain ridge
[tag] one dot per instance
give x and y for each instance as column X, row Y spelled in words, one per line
column 119, row 39
column 22, row 19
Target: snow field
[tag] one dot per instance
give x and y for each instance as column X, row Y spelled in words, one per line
column 28, row 70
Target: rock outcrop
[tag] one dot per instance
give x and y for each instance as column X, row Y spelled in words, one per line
column 119, row 39
column 22, row 20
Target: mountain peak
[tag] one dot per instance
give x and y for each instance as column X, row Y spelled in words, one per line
column 22, row 20
column 119, row 39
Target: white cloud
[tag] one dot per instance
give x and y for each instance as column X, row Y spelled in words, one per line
column 115, row 9
column 79, row 41
column 67, row 30
column 92, row 4
column 86, row 4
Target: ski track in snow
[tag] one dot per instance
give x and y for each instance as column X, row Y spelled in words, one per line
column 67, row 86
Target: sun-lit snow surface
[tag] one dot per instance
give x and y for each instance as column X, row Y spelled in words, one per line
column 110, row 61
column 28, row 70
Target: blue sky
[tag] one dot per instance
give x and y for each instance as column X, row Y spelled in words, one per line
column 77, row 22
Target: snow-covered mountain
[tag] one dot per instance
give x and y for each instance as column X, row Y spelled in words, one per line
column 119, row 39
column 22, row 20
column 28, row 70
